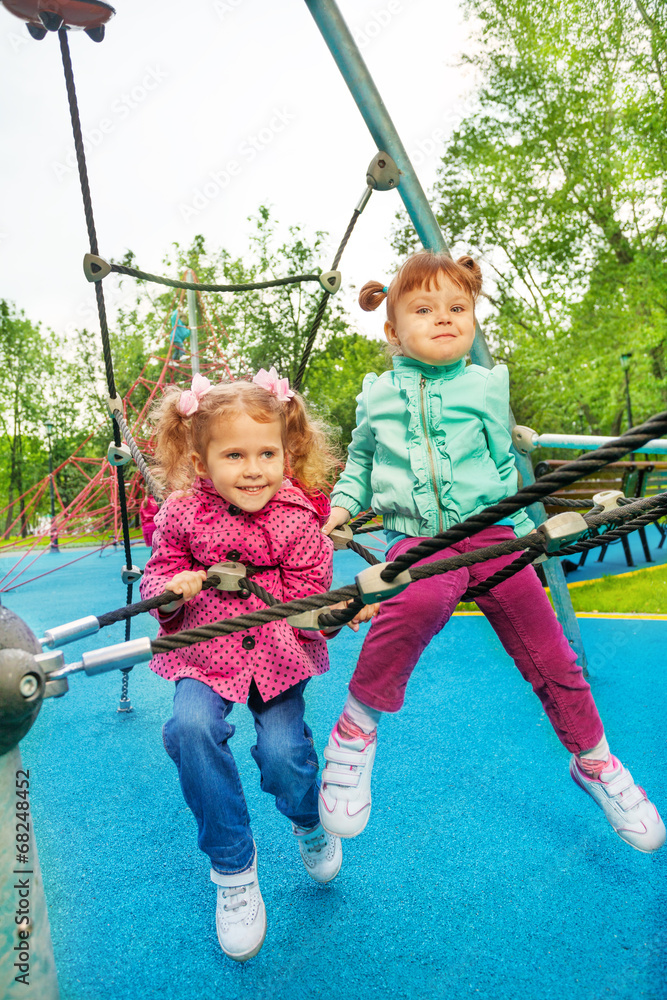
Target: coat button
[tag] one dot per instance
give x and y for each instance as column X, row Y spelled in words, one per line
column 233, row 510
column 243, row 595
column 234, row 555
column 248, row 642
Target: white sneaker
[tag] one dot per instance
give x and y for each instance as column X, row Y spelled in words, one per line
column 345, row 796
column 626, row 805
column 321, row 852
column 240, row 915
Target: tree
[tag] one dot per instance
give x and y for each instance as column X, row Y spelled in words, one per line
column 556, row 180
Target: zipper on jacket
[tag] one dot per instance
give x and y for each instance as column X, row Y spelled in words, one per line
column 434, row 481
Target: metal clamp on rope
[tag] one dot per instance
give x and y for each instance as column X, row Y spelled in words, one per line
column 229, row 574
column 115, row 403
column 330, row 281
column 59, row 635
column 309, row 621
column 131, row 575
column 524, row 439
column 382, row 173
column 373, row 588
column 99, row 661
column 118, row 454
column 95, row 268
column 341, row 536
column 608, row 500
column 562, row 529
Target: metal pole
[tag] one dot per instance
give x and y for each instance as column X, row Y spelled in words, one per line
column 27, row 966
column 192, row 323
column 348, row 58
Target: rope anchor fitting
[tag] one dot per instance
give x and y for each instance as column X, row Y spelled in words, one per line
column 118, row 454
column 562, row 529
column 131, row 575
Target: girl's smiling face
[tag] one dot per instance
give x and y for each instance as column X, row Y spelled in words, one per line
column 433, row 325
column 245, row 460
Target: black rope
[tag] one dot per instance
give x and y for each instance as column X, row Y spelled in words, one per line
column 362, row 520
column 152, row 483
column 499, row 577
column 566, row 474
column 323, row 304
column 134, row 272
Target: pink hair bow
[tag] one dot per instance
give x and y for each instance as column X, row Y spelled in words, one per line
column 189, row 401
column 271, row 381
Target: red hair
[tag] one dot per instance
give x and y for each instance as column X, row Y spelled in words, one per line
column 422, row 270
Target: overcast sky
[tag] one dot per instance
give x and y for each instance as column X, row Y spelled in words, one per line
column 178, row 92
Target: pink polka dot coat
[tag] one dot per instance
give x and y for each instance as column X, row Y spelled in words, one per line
column 195, row 531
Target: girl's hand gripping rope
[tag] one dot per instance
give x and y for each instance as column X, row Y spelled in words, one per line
column 188, row 584
column 337, row 517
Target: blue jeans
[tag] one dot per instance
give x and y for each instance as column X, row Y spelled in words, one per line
column 197, row 740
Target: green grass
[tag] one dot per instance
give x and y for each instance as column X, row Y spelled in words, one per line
column 641, row 592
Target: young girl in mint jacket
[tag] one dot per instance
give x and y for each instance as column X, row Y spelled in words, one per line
column 431, row 448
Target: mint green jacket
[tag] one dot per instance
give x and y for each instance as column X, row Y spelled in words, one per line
column 431, row 447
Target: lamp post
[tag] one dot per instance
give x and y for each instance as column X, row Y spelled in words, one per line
column 625, row 365
column 54, row 533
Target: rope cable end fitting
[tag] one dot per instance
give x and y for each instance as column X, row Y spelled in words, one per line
column 561, row 530
column 118, row 454
column 59, row 635
column 372, row 588
column 524, row 439
column 99, row 661
column 131, row 575
column 330, row 281
column 95, row 268
column 383, row 173
column 229, row 575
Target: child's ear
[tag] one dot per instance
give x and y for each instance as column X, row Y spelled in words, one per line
column 391, row 335
column 200, row 467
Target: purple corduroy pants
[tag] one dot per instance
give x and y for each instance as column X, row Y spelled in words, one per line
column 521, row 616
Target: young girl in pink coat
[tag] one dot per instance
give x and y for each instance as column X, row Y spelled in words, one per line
column 244, row 462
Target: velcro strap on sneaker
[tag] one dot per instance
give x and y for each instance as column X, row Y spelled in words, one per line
column 235, row 880
column 352, row 758
column 623, row 785
column 347, row 778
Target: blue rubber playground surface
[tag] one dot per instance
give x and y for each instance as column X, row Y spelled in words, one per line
column 484, row 871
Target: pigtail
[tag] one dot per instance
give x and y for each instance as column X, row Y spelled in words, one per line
column 372, row 295
column 173, row 444
column 475, row 273
column 310, row 456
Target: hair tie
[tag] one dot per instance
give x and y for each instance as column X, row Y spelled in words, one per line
column 189, row 398
column 273, row 383
column 385, row 290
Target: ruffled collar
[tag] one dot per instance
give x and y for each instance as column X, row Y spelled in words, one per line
column 444, row 372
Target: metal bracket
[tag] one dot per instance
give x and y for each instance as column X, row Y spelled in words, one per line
column 118, row 454
column 524, row 439
column 309, row 621
column 382, row 173
column 95, row 268
column 341, row 536
column 115, row 403
column 131, row 575
column 54, row 659
column 562, row 529
column 330, row 281
column 373, row 588
column 608, row 500
column 229, row 573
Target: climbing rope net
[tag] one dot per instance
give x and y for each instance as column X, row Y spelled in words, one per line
column 565, row 533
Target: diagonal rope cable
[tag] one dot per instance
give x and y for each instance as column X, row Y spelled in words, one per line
column 323, row 304
column 150, row 480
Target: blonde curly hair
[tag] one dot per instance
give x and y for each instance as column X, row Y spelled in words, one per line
column 310, row 458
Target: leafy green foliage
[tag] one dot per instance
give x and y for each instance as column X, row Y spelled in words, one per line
column 555, row 180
